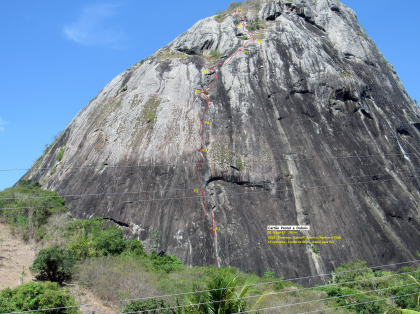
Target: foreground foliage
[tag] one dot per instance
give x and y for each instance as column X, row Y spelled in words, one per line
column 149, row 304
column 35, row 296
column 53, row 264
column 354, row 283
column 27, row 207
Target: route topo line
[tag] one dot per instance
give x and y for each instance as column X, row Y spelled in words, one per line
column 201, row 139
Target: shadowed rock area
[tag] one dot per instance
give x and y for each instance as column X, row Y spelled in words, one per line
column 311, row 127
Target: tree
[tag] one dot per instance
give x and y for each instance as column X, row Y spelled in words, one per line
column 53, row 264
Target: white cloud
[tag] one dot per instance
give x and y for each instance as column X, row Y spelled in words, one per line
column 1, row 125
column 93, row 27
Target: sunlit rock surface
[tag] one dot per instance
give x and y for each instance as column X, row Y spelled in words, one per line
column 294, row 127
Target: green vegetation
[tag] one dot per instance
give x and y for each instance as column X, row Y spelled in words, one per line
column 149, row 110
column 233, row 5
column 255, row 24
column 35, row 296
column 288, row 176
column 216, row 54
column 60, row 154
column 314, row 249
column 356, row 279
column 243, row 37
column 362, row 35
column 97, row 237
column 408, row 115
column 344, row 74
column 415, row 101
column 149, row 304
column 167, row 54
column 239, row 163
column 384, row 61
column 27, row 214
column 95, row 253
column 53, row 264
column 223, row 296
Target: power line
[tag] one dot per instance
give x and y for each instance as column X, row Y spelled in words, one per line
column 284, row 280
column 194, row 163
column 331, row 308
column 173, row 190
column 287, row 305
column 198, row 196
column 289, row 291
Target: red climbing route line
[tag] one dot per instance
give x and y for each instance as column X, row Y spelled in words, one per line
column 201, row 139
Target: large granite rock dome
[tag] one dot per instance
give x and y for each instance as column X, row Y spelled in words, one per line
column 295, row 127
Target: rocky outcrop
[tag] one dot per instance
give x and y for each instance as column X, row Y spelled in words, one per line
column 310, row 127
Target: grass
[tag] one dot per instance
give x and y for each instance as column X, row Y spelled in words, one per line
column 344, row 74
column 60, row 154
column 149, row 110
column 362, row 35
column 216, row 54
column 239, row 163
column 384, row 61
column 168, row 54
column 408, row 115
column 220, row 16
column 243, row 37
column 255, row 24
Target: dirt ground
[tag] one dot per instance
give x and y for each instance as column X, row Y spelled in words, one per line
column 15, row 256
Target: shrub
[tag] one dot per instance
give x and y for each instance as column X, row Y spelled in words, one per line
column 29, row 207
column 149, row 304
column 254, row 24
column 134, row 247
column 60, row 154
column 215, row 54
column 53, row 264
column 166, row 263
column 35, row 296
column 348, row 272
column 96, row 237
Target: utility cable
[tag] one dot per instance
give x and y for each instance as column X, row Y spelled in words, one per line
column 331, row 308
column 286, row 305
column 190, row 163
column 189, row 189
column 284, row 280
column 198, row 196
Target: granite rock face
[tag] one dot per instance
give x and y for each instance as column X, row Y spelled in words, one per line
column 311, row 127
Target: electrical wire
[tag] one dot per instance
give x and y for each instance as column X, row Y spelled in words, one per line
column 287, row 305
column 198, row 196
column 190, row 163
column 189, row 189
column 332, row 308
column 284, row 280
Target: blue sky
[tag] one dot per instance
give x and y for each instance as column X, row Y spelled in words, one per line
column 57, row 55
